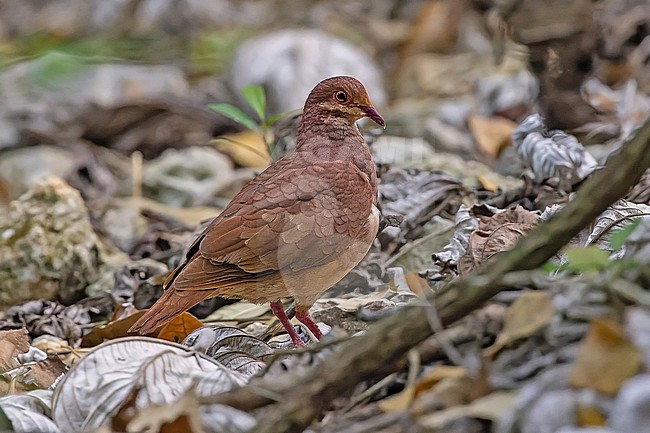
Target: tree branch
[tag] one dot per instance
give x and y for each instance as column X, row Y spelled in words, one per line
column 376, row 354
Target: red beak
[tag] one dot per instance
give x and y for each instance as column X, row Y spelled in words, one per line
column 372, row 114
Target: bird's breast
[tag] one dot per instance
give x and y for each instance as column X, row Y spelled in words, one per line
column 309, row 284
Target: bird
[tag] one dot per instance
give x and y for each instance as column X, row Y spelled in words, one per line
column 294, row 230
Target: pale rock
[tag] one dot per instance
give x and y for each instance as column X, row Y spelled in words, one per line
column 187, row 177
column 23, row 167
column 288, row 63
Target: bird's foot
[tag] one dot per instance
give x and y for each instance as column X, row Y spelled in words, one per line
column 278, row 311
column 305, row 318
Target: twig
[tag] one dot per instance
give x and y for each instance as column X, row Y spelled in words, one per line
column 630, row 291
column 440, row 334
column 408, row 247
column 370, row 391
column 136, row 174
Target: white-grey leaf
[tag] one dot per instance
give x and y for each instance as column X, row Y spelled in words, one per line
column 551, row 153
column 200, row 418
column 30, row 412
column 203, row 338
column 215, row 339
column 550, row 211
column 220, row 418
column 241, row 362
column 418, row 196
column 616, row 216
column 95, row 388
column 464, row 226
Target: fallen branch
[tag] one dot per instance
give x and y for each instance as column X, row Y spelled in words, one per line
column 377, row 353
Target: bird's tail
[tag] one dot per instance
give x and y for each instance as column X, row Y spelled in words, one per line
column 170, row 305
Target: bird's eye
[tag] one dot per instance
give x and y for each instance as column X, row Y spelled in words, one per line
column 341, row 96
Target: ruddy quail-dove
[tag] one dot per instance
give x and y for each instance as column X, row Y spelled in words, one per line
column 294, row 230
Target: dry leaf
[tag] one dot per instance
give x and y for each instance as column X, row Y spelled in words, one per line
column 487, row 183
column 416, row 283
column 190, row 216
column 418, row 196
column 26, row 366
column 529, row 314
column 110, row 331
column 435, row 28
column 464, row 225
column 122, row 311
column 30, row 412
column 551, row 153
column 497, row 232
column 606, row 358
column 232, row 347
column 492, row 134
column 492, row 407
column 438, row 373
column 615, row 217
column 95, row 389
column 52, row 345
column 429, row 380
column 398, row 402
column 446, row 386
column 45, row 373
column 238, row 312
column 180, row 327
column 12, row 343
column 449, row 392
column 181, row 415
column 350, row 305
column 589, row 415
column 246, row 149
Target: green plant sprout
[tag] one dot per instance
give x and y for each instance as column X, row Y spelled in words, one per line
column 256, row 98
column 619, row 236
column 592, row 258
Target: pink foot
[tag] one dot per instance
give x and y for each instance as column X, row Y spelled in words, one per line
column 278, row 310
column 303, row 316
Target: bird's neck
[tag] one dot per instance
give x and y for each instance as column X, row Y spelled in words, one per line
column 318, row 127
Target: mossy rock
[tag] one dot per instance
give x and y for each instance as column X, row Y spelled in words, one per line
column 48, row 248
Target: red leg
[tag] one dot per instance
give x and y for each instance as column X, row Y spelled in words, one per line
column 303, row 316
column 278, row 310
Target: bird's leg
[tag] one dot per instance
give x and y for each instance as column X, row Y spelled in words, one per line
column 278, row 310
column 304, row 317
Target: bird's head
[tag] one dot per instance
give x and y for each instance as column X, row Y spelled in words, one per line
column 343, row 97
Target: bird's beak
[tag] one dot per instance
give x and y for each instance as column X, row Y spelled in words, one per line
column 371, row 113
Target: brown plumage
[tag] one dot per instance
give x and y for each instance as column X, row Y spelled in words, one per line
column 297, row 228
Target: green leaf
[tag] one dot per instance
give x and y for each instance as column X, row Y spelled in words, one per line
column 550, row 267
column 618, row 237
column 271, row 120
column 254, row 95
column 234, row 113
column 590, row 258
column 55, row 68
column 5, row 423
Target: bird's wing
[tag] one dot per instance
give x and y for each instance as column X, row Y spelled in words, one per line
column 295, row 219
